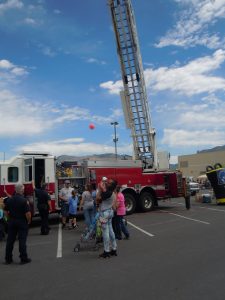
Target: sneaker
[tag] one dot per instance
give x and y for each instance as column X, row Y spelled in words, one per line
column 113, row 253
column 105, row 255
column 25, row 261
column 126, row 238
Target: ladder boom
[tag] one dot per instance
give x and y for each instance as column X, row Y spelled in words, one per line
column 134, row 94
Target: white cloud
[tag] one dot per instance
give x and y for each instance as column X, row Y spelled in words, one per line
column 114, row 88
column 73, row 146
column 192, row 27
column 57, row 11
column 18, row 71
column 191, row 79
column 30, row 21
column 5, row 64
column 16, row 112
column 193, row 138
column 92, row 60
column 10, row 4
column 10, row 72
column 48, row 52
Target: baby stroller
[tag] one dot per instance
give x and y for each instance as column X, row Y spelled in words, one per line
column 91, row 237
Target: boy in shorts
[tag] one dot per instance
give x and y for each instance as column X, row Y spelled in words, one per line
column 73, row 201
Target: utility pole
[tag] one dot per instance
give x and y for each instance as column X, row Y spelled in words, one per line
column 115, row 140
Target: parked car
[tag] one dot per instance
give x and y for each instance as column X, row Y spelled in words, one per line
column 193, row 187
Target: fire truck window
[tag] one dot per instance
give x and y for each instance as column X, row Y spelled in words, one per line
column 77, row 171
column 13, row 174
column 92, row 175
column 28, row 170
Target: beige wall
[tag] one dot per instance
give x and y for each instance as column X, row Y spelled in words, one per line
column 195, row 164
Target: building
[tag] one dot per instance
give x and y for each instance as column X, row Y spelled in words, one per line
column 195, row 164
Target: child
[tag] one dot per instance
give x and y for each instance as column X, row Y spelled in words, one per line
column 2, row 223
column 73, row 210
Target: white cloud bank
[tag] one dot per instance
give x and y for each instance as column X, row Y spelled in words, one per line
column 193, row 26
column 188, row 123
column 10, row 72
column 10, row 4
column 191, row 79
column 73, row 146
column 21, row 116
column 199, row 138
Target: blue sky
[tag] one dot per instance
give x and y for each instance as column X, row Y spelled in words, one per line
column 59, row 72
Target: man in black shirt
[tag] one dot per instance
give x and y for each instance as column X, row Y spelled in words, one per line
column 43, row 205
column 18, row 211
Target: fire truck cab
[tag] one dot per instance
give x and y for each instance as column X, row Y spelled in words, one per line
column 25, row 168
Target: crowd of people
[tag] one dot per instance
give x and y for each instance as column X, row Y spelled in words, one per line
column 106, row 201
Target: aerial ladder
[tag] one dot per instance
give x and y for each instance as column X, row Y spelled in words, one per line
column 134, row 96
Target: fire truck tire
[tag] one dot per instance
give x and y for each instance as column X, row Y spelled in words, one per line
column 146, row 201
column 130, row 203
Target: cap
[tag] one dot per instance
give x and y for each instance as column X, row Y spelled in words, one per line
column 67, row 181
column 104, row 178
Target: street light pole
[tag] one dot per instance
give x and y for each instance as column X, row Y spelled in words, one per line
column 115, row 140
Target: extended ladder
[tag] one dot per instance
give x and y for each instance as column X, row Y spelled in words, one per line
column 134, row 96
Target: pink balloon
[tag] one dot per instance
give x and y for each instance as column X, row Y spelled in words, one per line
column 92, row 126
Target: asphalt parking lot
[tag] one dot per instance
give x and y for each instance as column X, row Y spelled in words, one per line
column 173, row 253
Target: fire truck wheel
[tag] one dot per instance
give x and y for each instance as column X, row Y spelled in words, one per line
column 146, row 201
column 130, row 203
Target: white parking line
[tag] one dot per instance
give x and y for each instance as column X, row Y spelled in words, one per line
column 59, row 246
column 140, row 229
column 180, row 216
column 220, row 210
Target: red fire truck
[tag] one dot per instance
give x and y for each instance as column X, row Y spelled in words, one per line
column 142, row 188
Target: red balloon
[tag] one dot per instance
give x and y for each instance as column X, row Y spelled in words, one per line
column 92, row 126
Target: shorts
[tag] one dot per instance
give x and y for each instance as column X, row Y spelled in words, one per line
column 65, row 210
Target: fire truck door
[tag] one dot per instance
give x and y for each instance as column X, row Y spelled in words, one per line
column 28, row 177
column 39, row 172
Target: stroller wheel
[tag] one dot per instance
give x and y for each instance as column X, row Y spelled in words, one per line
column 77, row 248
